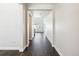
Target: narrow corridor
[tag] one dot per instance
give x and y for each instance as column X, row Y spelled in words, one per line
column 40, row 46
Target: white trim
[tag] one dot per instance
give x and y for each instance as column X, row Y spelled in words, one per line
column 58, row 50
column 50, row 41
column 9, row 48
column 27, row 45
column 22, row 49
column 55, row 48
column 52, row 45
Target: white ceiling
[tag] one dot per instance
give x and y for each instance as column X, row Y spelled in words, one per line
column 40, row 10
column 41, row 5
column 37, row 14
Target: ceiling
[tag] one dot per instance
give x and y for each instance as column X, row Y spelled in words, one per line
column 41, row 5
column 40, row 10
column 38, row 14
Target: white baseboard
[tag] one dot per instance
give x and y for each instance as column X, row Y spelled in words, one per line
column 27, row 45
column 55, row 48
column 22, row 49
column 9, row 48
column 58, row 50
column 52, row 45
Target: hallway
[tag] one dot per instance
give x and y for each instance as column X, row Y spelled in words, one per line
column 39, row 47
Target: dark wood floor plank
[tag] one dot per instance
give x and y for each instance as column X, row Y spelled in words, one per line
column 40, row 46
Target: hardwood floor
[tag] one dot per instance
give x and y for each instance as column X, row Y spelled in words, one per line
column 39, row 46
column 8, row 52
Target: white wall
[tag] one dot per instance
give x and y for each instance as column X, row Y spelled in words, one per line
column 48, row 27
column 11, row 26
column 25, row 25
column 67, row 29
